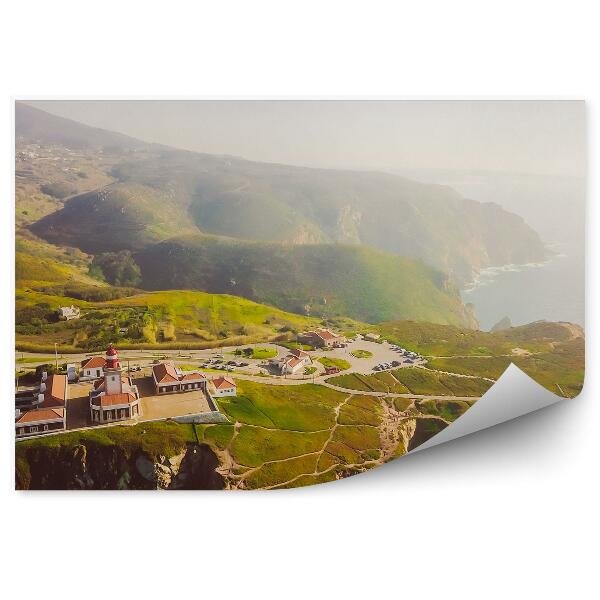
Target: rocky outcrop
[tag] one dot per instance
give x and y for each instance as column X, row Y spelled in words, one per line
column 501, row 325
column 425, row 428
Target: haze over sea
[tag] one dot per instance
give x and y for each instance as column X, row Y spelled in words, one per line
column 553, row 290
column 554, row 205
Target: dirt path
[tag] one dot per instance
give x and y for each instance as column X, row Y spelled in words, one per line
column 396, row 428
column 239, row 478
column 463, row 375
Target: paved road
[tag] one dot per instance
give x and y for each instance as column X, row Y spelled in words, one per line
column 381, row 353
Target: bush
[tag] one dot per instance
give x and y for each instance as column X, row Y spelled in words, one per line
column 38, row 314
column 50, row 368
column 118, row 268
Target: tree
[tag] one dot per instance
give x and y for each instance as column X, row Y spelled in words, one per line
column 118, row 268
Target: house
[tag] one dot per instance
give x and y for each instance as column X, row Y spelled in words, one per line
column 168, row 379
column 115, row 397
column 68, row 313
column 321, row 338
column 301, row 355
column 93, row 368
column 292, row 363
column 222, row 386
column 40, row 420
column 46, row 410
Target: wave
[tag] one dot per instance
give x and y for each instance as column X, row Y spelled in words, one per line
column 489, row 274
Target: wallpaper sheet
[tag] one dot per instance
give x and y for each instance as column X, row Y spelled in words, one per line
column 245, row 295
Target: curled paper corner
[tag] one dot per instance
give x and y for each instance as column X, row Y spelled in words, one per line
column 513, row 395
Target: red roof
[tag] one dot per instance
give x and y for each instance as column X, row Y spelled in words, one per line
column 41, row 414
column 56, row 391
column 293, row 361
column 95, row 362
column 326, row 334
column 113, row 399
column 299, row 353
column 165, row 372
column 192, row 376
column 223, row 383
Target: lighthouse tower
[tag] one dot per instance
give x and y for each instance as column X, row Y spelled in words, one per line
column 113, row 382
column 116, row 397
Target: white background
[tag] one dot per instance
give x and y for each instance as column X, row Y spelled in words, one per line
column 507, row 513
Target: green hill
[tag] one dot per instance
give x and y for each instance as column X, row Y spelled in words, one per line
column 550, row 353
column 326, row 280
column 31, row 268
column 135, row 215
column 160, row 191
column 178, row 318
column 35, row 268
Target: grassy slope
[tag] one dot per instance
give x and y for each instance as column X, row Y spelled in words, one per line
column 554, row 352
column 179, row 318
column 161, row 190
column 291, row 425
column 439, row 340
column 193, row 308
column 334, row 280
column 136, row 215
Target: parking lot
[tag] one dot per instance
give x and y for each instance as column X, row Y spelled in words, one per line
column 382, row 352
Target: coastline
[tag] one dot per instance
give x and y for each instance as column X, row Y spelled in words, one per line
column 553, row 289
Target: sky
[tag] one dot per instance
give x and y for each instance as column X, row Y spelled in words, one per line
column 531, row 137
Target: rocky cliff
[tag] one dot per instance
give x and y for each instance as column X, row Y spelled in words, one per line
column 90, row 466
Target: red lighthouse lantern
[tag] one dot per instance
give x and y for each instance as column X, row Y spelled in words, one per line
column 112, row 358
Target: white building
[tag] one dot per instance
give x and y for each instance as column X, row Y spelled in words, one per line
column 222, row 386
column 168, row 379
column 291, row 364
column 93, row 368
column 67, row 313
column 114, row 398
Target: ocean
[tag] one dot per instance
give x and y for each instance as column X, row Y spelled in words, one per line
column 553, row 290
column 554, row 206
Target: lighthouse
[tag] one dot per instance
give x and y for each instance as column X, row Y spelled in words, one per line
column 112, row 372
column 115, row 397
column 112, row 358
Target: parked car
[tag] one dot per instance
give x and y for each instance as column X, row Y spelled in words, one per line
column 331, row 370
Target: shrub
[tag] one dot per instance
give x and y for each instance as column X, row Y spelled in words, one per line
column 118, row 268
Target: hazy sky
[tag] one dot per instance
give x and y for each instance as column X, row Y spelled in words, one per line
column 541, row 137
